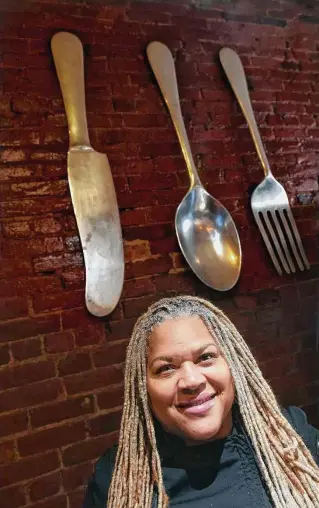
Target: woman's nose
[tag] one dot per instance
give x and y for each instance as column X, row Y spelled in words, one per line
column 191, row 378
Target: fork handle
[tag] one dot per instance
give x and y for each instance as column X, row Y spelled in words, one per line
column 236, row 76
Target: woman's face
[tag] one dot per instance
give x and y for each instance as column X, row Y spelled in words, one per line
column 189, row 383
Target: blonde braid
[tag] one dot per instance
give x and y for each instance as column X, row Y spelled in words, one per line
column 287, row 466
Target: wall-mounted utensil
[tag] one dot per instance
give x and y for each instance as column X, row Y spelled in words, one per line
column 206, row 232
column 91, row 185
column 269, row 200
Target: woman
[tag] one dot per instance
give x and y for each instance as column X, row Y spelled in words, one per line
column 201, row 427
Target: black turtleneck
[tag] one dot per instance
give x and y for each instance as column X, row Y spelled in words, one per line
column 221, row 473
column 218, row 474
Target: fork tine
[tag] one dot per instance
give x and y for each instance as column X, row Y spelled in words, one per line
column 267, row 243
column 283, row 241
column 276, row 243
column 298, row 239
column 291, row 238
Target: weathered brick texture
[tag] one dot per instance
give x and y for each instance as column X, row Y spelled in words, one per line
column 61, row 370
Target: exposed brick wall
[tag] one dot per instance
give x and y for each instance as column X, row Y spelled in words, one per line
column 61, row 369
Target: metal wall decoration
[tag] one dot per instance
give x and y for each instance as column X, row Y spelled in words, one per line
column 91, row 185
column 205, row 230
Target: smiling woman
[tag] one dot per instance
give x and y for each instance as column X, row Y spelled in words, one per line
column 189, row 383
column 201, row 427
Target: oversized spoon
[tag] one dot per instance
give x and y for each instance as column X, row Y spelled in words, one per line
column 205, row 230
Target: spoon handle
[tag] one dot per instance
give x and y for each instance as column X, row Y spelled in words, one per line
column 162, row 64
column 236, row 76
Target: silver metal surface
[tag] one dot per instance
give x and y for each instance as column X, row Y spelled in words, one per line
column 269, row 200
column 91, row 186
column 205, row 230
column 208, row 238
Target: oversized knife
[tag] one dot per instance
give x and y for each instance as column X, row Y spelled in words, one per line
column 91, row 186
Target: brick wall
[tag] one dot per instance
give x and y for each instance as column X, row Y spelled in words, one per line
column 61, row 369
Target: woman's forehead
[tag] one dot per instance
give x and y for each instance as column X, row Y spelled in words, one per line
column 186, row 332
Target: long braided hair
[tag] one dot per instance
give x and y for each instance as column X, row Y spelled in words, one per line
column 288, row 468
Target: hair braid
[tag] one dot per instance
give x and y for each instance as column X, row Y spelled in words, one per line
column 287, row 466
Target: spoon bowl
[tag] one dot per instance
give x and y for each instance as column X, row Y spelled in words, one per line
column 208, row 239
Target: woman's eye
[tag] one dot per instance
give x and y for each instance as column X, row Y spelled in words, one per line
column 164, row 368
column 206, row 357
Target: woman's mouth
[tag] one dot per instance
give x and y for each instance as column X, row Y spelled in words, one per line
column 199, row 405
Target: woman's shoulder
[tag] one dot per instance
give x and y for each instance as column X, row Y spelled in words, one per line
column 298, row 419
column 98, row 486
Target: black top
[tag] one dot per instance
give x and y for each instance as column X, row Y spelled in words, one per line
column 221, row 473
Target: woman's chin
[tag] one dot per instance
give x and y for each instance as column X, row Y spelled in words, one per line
column 199, row 433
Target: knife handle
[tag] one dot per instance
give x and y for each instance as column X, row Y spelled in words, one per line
column 67, row 53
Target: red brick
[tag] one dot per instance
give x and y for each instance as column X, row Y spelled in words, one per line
column 21, row 328
column 161, row 213
column 43, row 440
column 76, row 318
column 134, row 307
column 31, row 394
column 104, row 424
column 245, row 302
column 138, row 287
column 15, row 268
column 154, row 232
column 148, row 267
column 139, row 120
column 75, row 498
column 308, row 289
column 59, row 342
column 73, row 363
column 292, row 97
column 60, row 411
column 119, row 330
column 51, row 263
column 137, row 250
column 59, row 501
column 18, row 229
column 88, row 450
column 149, row 183
column 29, row 285
column 13, row 496
column 7, row 452
column 26, row 373
column 180, row 283
column 30, row 467
column 4, row 355
column 278, row 367
column 73, row 279
column 47, row 226
column 45, row 486
column 33, row 206
column 93, row 379
column 76, row 476
column 111, row 354
column 13, row 423
column 73, row 243
column 111, row 398
column 89, row 335
column 68, row 299
column 26, row 349
column 133, row 217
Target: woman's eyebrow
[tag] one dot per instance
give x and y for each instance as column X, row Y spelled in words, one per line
column 198, row 352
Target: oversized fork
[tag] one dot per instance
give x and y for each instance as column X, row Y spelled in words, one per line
column 269, row 200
